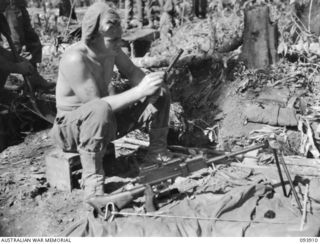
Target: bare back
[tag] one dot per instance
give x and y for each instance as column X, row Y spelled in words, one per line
column 81, row 78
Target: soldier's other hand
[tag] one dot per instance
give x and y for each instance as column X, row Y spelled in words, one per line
column 151, row 83
column 25, row 68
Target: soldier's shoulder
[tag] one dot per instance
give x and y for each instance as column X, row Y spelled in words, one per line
column 74, row 54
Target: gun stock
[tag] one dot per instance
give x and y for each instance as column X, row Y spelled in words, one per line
column 120, row 199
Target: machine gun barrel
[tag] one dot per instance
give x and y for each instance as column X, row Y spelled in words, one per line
column 232, row 154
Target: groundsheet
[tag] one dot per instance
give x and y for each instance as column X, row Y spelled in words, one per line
column 223, row 205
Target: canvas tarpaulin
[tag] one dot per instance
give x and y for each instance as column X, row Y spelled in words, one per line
column 253, row 208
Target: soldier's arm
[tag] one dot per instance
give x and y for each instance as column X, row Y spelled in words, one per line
column 76, row 74
column 126, row 67
column 144, row 85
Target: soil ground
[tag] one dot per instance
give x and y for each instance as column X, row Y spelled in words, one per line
column 29, row 206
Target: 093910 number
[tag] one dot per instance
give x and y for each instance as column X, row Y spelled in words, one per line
column 309, row 239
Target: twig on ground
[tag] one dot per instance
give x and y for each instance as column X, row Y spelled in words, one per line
column 304, row 211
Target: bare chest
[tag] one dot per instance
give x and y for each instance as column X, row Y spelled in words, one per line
column 102, row 74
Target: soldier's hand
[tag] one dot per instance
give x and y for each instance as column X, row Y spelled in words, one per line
column 25, row 68
column 151, row 83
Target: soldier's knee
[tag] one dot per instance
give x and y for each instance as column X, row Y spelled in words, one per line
column 101, row 111
column 99, row 128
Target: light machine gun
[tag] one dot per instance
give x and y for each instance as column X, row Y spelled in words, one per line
column 157, row 174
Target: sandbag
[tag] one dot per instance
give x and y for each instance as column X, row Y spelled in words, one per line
column 274, row 95
column 271, row 114
column 264, row 114
column 287, row 117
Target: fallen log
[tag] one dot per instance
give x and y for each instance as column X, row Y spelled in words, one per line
column 163, row 61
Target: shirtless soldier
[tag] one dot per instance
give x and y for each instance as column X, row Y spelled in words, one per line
column 88, row 116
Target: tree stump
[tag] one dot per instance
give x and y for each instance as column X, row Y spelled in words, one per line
column 260, row 38
column 65, row 9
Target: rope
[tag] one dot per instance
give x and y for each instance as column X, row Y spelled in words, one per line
column 197, row 218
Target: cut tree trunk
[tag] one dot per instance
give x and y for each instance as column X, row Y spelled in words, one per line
column 65, row 9
column 260, row 38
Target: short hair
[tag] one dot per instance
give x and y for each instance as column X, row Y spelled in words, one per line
column 91, row 20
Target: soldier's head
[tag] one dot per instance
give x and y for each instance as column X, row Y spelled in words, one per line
column 102, row 21
column 3, row 5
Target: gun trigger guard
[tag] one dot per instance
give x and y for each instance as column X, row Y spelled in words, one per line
column 109, row 212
